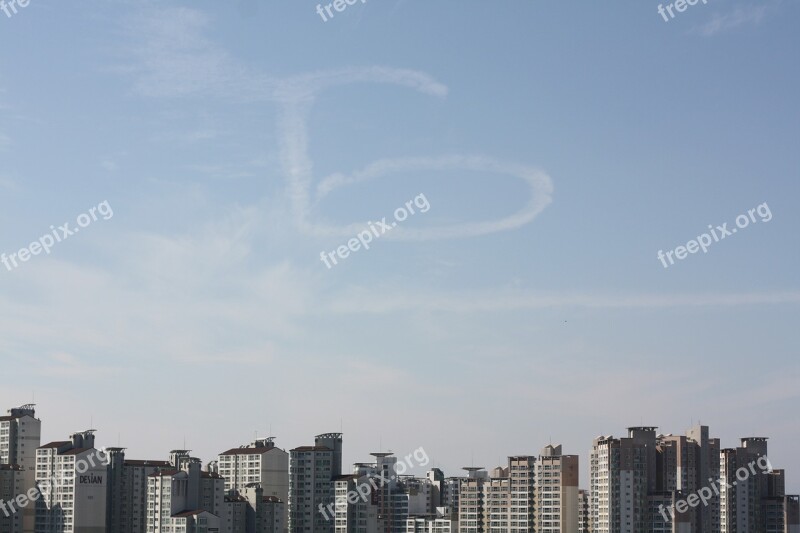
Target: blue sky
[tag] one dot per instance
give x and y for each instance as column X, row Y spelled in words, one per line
column 560, row 145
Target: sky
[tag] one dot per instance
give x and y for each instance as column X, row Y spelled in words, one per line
column 217, row 156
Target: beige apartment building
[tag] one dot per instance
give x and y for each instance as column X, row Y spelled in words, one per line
column 556, row 491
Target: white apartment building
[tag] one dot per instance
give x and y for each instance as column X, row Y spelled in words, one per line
column 357, row 514
column 259, row 463
column 185, row 499
column 195, row 522
column 470, row 500
column 430, row 525
column 622, row 471
column 496, row 501
column 72, row 478
column 20, row 436
column 522, row 481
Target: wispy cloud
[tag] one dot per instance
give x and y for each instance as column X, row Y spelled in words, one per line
column 539, row 184
column 8, row 183
column 741, row 15
column 66, row 365
column 363, row 300
column 174, row 58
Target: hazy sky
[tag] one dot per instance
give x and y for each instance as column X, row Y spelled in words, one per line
column 559, row 144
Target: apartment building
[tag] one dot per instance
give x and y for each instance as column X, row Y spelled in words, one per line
column 633, row 477
column 265, row 514
column 685, row 464
column 496, row 501
column 450, row 496
column 248, row 510
column 431, row 525
column 126, row 511
column 260, row 463
column 753, row 500
column 185, row 499
column 470, row 500
column 522, row 484
column 356, row 505
column 781, row 514
column 11, row 484
column 72, row 478
column 622, row 473
column 556, row 489
column 584, row 512
column 312, row 470
column 20, row 436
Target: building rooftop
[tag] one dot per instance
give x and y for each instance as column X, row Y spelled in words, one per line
column 312, row 449
column 56, row 444
column 249, row 451
column 76, row 451
column 165, row 472
column 145, row 462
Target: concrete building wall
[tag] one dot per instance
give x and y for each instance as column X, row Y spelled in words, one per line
column 11, row 484
column 72, row 478
column 20, row 436
column 311, row 473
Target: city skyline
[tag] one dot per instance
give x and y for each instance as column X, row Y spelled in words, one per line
column 446, row 464
column 644, row 481
column 473, row 227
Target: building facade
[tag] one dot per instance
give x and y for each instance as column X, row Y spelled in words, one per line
column 312, row 470
column 20, row 437
column 72, row 480
column 259, row 463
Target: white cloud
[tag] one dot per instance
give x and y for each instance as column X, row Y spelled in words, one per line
column 66, row 365
column 357, row 300
column 739, row 16
column 175, row 59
